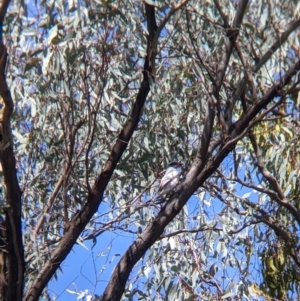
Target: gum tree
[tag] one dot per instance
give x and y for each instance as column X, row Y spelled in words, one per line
column 98, row 96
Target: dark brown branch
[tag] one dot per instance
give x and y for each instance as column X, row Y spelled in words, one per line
column 95, row 197
column 274, row 91
column 3, row 9
column 229, row 41
column 154, row 32
column 207, row 131
column 281, row 40
column 66, row 170
column 14, row 244
column 64, row 173
column 210, row 110
column 232, row 33
column 244, row 124
column 210, row 74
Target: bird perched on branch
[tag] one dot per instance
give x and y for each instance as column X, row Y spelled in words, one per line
column 169, row 181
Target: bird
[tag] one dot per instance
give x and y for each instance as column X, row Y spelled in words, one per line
column 169, row 181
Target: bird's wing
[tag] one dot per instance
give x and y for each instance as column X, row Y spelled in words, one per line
column 168, row 177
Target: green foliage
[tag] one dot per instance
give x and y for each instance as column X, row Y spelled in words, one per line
column 74, row 72
column 279, row 271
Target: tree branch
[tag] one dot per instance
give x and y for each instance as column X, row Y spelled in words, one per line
column 264, row 217
column 229, row 41
column 274, row 91
column 232, row 33
column 244, row 124
column 82, row 217
column 268, row 220
column 241, row 85
column 154, row 32
column 207, row 132
column 3, row 10
column 14, row 244
column 280, row 199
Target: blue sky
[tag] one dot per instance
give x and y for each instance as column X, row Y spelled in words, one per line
column 90, row 269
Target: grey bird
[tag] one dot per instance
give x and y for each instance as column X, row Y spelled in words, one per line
column 170, row 179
